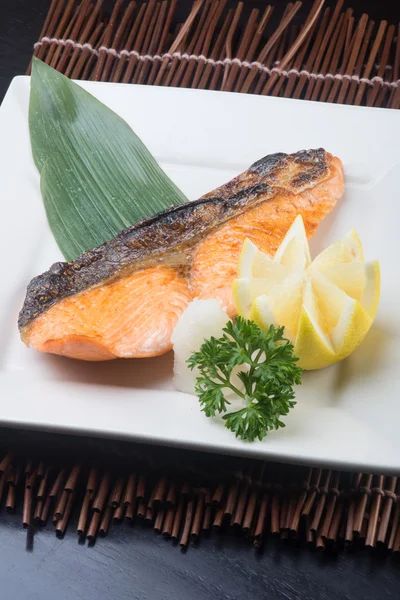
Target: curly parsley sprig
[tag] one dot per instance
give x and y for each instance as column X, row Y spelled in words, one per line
column 269, row 374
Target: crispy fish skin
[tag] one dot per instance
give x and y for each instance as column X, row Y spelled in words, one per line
column 165, row 239
column 172, row 243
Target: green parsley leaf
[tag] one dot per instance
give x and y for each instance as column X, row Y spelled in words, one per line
column 268, row 375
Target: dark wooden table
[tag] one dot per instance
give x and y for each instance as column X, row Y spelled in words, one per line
column 137, row 563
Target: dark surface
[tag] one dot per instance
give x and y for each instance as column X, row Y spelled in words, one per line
column 137, row 563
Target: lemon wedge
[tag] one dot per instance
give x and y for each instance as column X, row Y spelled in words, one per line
column 327, row 305
column 346, row 250
column 294, row 251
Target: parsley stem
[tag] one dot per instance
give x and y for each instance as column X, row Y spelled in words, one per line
column 251, row 373
column 230, row 385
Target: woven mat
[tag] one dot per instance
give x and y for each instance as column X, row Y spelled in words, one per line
column 324, row 54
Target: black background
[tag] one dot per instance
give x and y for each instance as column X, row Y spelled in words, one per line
column 136, row 563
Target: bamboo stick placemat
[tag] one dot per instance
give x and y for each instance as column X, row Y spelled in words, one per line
column 186, row 495
column 325, row 54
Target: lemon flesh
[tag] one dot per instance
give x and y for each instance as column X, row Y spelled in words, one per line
column 327, row 306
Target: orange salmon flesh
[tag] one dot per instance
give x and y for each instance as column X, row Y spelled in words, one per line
column 134, row 315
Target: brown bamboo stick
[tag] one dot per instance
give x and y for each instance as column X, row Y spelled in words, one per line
column 196, row 68
column 217, row 52
column 116, row 497
column 370, row 62
column 145, row 48
column 169, row 521
column 62, row 53
column 63, row 522
column 84, row 513
column 171, row 495
column 255, row 42
column 362, row 503
column 300, row 503
column 312, row 494
column 90, row 62
column 336, row 521
column 388, row 502
column 178, row 517
column 5, row 463
column 339, row 48
column 87, row 57
column 27, row 506
column 313, row 16
column 188, row 522
column 269, row 45
column 323, row 492
column 293, row 500
column 219, row 517
column 141, row 509
column 159, row 520
column 58, row 27
column 325, row 46
column 261, row 520
column 344, row 85
column 124, row 511
column 227, row 53
column 162, row 45
column 275, row 510
column 130, row 489
column 102, row 57
column 352, row 90
column 99, row 501
column 351, row 507
column 289, row 84
column 117, row 43
column 276, row 51
column 61, row 505
column 201, row 65
column 376, row 502
column 328, row 57
column 250, row 510
column 310, row 539
column 129, row 46
column 207, row 519
column 46, row 30
column 94, row 526
column 84, row 37
column 394, row 100
column 395, row 522
column 374, row 90
column 241, row 505
column 232, row 498
column 161, row 489
column 153, row 44
column 310, row 64
column 198, row 515
column 195, row 41
column 177, row 45
column 11, row 497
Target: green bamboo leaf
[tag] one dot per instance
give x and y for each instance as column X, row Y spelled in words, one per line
column 97, row 176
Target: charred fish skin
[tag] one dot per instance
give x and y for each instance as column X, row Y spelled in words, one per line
column 309, row 167
column 173, row 232
column 153, row 241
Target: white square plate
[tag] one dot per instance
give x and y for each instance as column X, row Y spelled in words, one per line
column 346, row 415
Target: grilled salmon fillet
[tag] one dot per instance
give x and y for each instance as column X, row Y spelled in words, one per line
column 124, row 298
